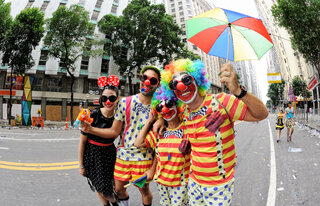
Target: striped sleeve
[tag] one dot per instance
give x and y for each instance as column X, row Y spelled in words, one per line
column 235, row 107
column 151, row 140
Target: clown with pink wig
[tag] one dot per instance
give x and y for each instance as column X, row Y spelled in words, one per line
column 173, row 165
column 208, row 121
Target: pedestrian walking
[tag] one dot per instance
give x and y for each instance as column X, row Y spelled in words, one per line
column 290, row 114
column 209, row 123
column 173, row 166
column 131, row 115
column 97, row 155
column 279, row 124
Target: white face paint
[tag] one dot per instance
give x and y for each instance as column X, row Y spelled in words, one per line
column 170, row 115
column 189, row 94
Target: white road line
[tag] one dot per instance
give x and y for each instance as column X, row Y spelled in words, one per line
column 4, row 148
column 40, row 140
column 273, row 173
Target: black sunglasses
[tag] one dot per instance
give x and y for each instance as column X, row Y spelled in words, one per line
column 169, row 104
column 112, row 98
column 186, row 79
column 153, row 80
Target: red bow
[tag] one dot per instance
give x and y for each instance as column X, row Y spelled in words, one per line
column 111, row 80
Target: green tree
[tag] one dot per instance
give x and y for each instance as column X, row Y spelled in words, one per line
column 5, row 21
column 70, row 37
column 275, row 92
column 301, row 19
column 143, row 34
column 300, row 88
column 22, row 37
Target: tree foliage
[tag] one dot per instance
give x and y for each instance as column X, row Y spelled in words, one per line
column 69, row 37
column 146, row 33
column 275, row 92
column 301, row 19
column 23, row 35
column 5, row 21
column 300, row 88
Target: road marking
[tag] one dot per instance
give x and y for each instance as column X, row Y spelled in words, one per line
column 4, row 148
column 39, row 166
column 273, row 173
column 38, row 140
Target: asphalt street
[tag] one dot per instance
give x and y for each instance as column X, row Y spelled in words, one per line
column 39, row 167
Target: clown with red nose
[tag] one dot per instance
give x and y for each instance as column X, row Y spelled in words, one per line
column 173, row 166
column 209, row 127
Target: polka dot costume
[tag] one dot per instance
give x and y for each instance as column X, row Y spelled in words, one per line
column 138, row 116
column 173, row 196
column 217, row 195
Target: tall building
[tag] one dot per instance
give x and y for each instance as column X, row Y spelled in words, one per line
column 51, row 84
column 283, row 58
column 183, row 10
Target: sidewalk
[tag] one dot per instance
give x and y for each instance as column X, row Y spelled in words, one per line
column 47, row 124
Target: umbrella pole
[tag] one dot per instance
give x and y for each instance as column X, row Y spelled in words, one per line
column 229, row 25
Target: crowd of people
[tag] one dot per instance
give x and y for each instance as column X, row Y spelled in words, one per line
column 173, row 132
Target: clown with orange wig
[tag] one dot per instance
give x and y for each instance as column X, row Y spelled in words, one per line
column 173, row 166
column 209, row 121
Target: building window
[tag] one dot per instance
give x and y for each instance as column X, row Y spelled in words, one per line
column 116, row 1
column 99, row 3
column 114, row 9
column 188, row 6
column 173, row 10
column 37, row 84
column 82, row 2
column 183, row 26
column 172, row 5
column 184, row 33
column 43, row 57
column 54, row 84
column 195, row 47
column 189, row 12
column 93, row 85
column 180, row 8
column 182, row 19
column 181, row 13
column 44, row 6
column 29, row 4
column 84, row 63
column 184, row 39
column 180, row 3
column 95, row 15
column 105, row 66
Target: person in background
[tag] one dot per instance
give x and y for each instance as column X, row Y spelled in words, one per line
column 279, row 124
column 290, row 115
column 97, row 155
column 173, row 167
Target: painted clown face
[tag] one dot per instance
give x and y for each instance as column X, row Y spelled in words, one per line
column 184, row 87
column 167, row 109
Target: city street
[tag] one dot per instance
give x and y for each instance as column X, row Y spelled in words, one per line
column 39, row 167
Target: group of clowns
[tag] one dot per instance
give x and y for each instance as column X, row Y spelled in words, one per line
column 179, row 135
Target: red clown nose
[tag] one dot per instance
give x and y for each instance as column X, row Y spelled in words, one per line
column 181, row 86
column 165, row 110
column 108, row 102
column 147, row 82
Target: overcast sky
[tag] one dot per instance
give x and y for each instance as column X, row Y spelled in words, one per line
column 248, row 7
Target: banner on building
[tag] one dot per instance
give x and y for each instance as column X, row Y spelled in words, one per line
column 313, row 82
column 274, row 78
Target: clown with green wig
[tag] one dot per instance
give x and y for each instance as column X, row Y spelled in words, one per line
column 173, row 166
column 208, row 120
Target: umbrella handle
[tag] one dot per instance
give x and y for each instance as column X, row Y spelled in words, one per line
column 127, row 185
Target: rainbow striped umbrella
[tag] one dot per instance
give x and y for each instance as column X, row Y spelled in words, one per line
column 228, row 34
